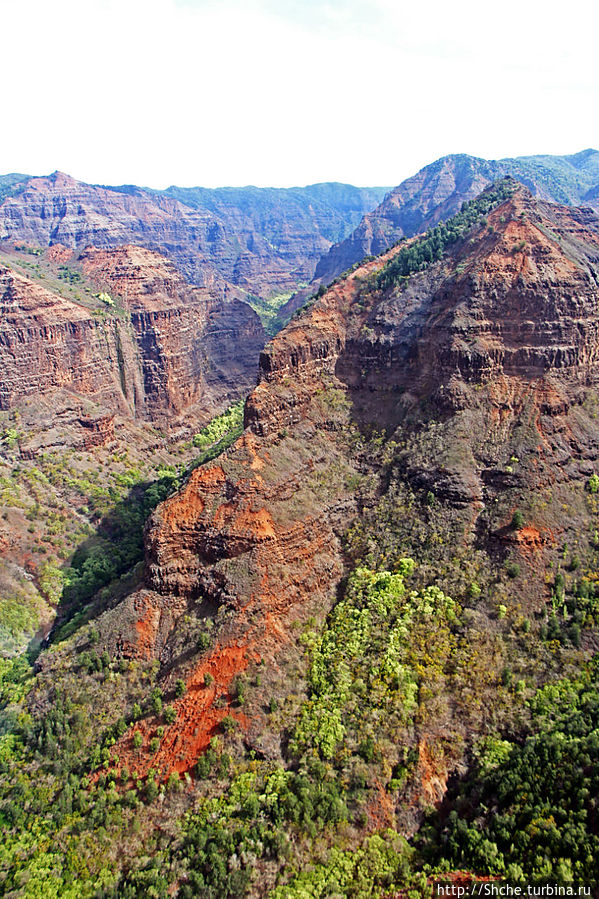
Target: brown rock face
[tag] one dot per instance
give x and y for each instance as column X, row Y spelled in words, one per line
column 490, row 351
column 261, row 241
column 194, row 346
column 47, row 342
column 173, row 349
column 521, row 304
column 60, row 210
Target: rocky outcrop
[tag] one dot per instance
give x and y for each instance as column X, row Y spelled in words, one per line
column 48, row 342
column 166, row 350
column 263, row 241
column 437, row 191
column 194, row 347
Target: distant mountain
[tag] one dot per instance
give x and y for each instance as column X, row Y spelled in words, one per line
column 438, row 190
column 259, row 241
column 8, row 184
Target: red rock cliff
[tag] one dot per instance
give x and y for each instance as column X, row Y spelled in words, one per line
column 173, row 348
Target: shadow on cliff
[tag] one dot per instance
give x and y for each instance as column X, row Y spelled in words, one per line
column 109, row 563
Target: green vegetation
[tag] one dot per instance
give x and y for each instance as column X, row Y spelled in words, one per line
column 219, row 434
column 118, row 544
column 365, row 649
column 380, row 864
column 84, row 515
column 517, row 520
column 528, row 808
column 67, row 274
column 10, row 185
column 269, row 310
column 59, row 827
column 417, row 256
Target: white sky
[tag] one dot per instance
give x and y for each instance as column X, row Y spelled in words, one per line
column 284, row 92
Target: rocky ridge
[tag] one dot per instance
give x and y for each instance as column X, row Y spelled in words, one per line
column 438, row 190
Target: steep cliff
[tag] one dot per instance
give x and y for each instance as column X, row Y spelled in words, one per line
column 387, row 589
column 262, row 241
column 132, row 337
column 401, row 414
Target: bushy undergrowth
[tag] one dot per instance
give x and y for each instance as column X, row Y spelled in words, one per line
column 528, row 808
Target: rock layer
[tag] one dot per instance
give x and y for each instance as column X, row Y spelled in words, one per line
column 260, row 241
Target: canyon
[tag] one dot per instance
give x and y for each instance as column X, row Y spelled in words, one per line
column 290, row 642
column 480, row 372
column 132, row 338
column 236, row 241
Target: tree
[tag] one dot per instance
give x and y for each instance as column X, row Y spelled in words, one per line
column 517, row 520
column 170, row 714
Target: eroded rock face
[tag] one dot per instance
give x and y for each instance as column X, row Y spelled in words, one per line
column 60, row 210
column 173, row 349
column 490, row 351
column 47, row 342
column 194, row 347
column 261, row 241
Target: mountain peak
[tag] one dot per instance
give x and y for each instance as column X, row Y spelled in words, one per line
column 437, row 191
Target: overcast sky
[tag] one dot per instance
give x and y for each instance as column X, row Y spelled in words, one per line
column 285, row 92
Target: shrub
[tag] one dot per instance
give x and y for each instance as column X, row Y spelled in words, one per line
column 517, row 520
column 229, row 724
column 239, row 689
column 203, row 641
column 156, row 701
column 170, row 714
column 151, row 790
column 513, row 569
column 173, row 783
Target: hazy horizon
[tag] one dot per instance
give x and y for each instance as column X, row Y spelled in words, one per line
column 278, row 186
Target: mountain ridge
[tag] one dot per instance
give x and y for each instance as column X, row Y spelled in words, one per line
column 353, row 618
column 438, row 189
column 241, row 528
